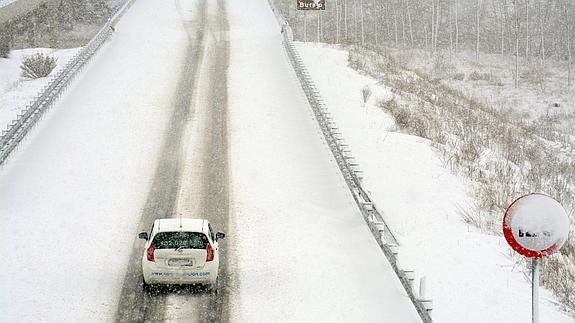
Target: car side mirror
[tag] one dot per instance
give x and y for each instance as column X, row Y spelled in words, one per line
column 220, row 235
column 143, row 235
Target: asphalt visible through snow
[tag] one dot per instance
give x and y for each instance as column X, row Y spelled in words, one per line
column 191, row 178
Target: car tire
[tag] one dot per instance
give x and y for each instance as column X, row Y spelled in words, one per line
column 147, row 288
column 213, row 288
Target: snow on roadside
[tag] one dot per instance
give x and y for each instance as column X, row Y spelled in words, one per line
column 470, row 274
column 15, row 91
column 72, row 194
column 304, row 253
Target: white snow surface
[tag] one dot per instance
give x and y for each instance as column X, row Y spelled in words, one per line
column 71, row 195
column 470, row 275
column 304, row 253
column 16, row 91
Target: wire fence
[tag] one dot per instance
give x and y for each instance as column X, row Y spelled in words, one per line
column 352, row 174
column 29, row 116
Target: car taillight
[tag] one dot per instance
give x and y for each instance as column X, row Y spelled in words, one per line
column 150, row 253
column 210, row 251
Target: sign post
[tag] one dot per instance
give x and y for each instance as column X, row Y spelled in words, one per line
column 535, row 225
column 535, row 290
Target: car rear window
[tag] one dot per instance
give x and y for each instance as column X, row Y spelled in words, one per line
column 186, row 240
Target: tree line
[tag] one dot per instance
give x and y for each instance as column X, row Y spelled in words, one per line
column 532, row 31
column 45, row 25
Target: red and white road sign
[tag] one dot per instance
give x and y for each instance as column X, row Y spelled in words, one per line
column 535, row 225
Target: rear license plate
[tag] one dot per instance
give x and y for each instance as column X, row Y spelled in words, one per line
column 180, row 262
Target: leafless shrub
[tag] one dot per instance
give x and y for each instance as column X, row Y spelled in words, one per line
column 495, row 80
column 536, row 75
column 478, row 218
column 365, row 94
column 399, row 114
column 558, row 274
column 372, row 63
column 442, row 67
column 477, row 76
column 388, row 105
column 523, row 156
column 37, row 65
column 418, row 125
column 459, row 76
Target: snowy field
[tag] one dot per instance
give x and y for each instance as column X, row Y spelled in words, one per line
column 542, row 91
column 71, row 195
column 470, row 274
column 16, row 91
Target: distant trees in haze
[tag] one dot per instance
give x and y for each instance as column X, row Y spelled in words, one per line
column 530, row 30
column 45, row 25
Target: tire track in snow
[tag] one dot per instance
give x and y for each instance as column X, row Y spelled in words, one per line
column 204, row 182
column 134, row 304
column 217, row 159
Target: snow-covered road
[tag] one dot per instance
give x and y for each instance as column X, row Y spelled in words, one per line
column 75, row 194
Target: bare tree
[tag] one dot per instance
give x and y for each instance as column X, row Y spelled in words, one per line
column 336, row 23
column 362, row 30
column 409, row 22
column 456, row 27
column 345, row 19
column 395, row 23
column 503, row 20
column 375, row 22
column 355, row 24
column 436, row 33
column 541, row 33
column 516, row 11
column 305, row 25
column 568, row 42
column 318, row 26
column 450, row 29
column 477, row 10
column 402, row 29
column 527, row 31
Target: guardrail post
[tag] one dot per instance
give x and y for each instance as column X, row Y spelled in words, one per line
column 427, row 303
column 410, row 275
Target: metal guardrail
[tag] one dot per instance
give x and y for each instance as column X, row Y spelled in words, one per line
column 6, row 2
column 18, row 128
column 353, row 175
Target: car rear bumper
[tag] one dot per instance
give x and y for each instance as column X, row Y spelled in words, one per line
column 161, row 275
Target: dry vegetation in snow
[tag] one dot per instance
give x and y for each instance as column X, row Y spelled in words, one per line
column 502, row 150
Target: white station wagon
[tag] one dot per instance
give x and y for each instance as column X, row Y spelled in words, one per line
column 181, row 251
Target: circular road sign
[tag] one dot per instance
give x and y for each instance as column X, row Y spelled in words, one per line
column 535, row 225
